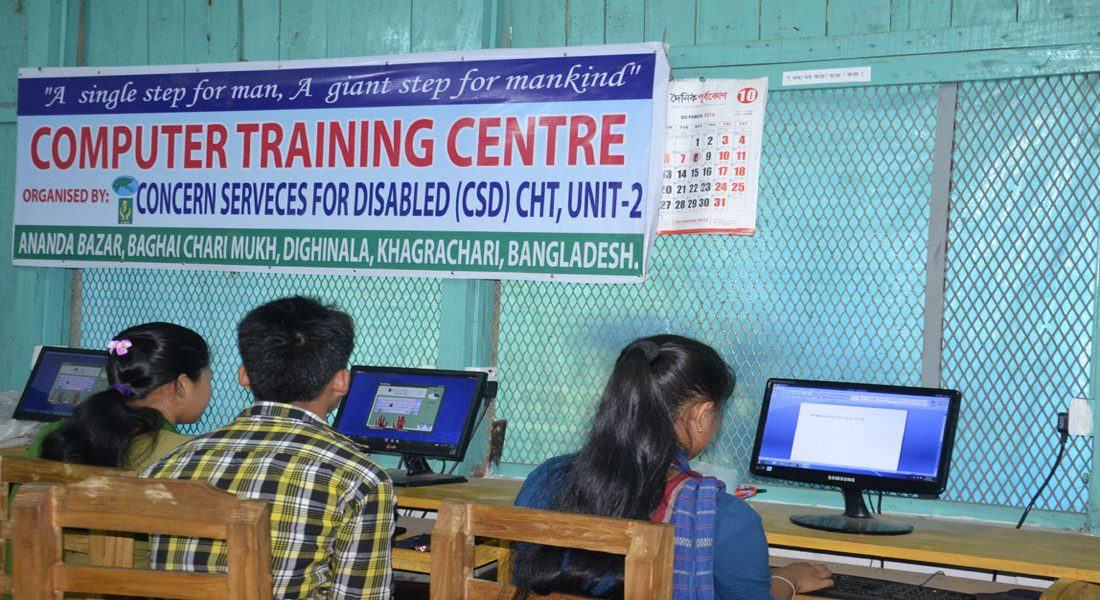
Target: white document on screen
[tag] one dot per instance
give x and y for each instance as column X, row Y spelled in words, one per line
column 855, row 437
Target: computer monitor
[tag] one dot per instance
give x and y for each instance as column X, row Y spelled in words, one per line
column 415, row 413
column 61, row 379
column 858, row 437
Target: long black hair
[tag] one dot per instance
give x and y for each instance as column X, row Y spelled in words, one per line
column 102, row 428
column 623, row 467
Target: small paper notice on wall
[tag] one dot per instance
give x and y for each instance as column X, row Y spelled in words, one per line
column 712, row 156
column 827, row 76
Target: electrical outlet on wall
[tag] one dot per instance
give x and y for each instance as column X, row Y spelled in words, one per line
column 491, row 373
column 1080, row 417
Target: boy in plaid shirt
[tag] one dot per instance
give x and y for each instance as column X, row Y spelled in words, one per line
column 332, row 508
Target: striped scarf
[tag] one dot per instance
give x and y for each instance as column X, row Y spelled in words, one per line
column 694, row 503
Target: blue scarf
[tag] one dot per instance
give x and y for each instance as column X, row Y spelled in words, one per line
column 692, row 508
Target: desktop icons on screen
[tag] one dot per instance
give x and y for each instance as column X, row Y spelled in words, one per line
column 858, row 437
column 414, row 413
column 61, row 379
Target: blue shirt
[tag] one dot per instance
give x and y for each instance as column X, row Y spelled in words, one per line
column 740, row 552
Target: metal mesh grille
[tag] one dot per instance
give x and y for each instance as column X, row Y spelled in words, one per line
column 1021, row 283
column 831, row 286
column 396, row 320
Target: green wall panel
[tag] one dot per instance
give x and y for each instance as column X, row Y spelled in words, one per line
column 260, row 31
column 625, row 21
column 302, row 31
column 782, row 19
column 585, row 24
column 354, row 28
column 1034, row 10
column 115, row 32
column 670, row 22
column 438, row 26
column 538, row 23
column 852, row 17
column 979, row 12
column 919, row 14
column 727, row 21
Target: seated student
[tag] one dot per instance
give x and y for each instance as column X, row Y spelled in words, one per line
column 159, row 376
column 662, row 405
column 332, row 509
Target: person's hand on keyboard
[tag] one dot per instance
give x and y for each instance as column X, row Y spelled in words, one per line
column 802, row 577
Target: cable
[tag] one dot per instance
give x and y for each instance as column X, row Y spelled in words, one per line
column 480, row 418
column 930, row 578
column 1053, row 469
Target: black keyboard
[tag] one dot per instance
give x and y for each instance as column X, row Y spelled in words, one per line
column 852, row 587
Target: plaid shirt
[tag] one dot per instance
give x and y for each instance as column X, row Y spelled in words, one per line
column 332, row 509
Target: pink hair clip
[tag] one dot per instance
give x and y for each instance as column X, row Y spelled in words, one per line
column 119, row 347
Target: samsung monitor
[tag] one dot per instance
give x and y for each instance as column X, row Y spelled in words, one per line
column 60, row 379
column 415, row 413
column 858, row 437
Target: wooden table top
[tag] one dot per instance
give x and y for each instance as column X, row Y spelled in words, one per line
column 960, row 542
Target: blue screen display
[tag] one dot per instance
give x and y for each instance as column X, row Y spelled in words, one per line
column 409, row 409
column 62, row 378
column 859, row 431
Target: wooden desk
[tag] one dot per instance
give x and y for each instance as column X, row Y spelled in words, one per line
column 998, row 548
column 501, row 492
column 955, row 542
column 498, row 492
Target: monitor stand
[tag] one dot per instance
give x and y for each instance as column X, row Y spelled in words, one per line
column 420, row 473
column 856, row 518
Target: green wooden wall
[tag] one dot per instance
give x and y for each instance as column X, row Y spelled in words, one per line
column 904, row 41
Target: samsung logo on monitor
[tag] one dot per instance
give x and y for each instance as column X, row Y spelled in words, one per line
column 840, row 478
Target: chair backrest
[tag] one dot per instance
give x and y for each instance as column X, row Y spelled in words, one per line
column 646, row 546
column 1068, row 589
column 131, row 504
column 101, row 549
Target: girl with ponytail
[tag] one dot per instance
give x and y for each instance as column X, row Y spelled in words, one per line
column 662, row 405
column 159, row 376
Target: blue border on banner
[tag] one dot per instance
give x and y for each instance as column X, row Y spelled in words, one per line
column 410, row 84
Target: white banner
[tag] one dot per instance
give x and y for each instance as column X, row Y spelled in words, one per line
column 482, row 164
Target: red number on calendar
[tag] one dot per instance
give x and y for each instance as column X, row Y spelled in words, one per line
column 736, row 187
column 719, row 202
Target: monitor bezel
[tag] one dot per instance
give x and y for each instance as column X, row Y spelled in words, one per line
column 376, row 445
column 859, row 480
column 21, row 413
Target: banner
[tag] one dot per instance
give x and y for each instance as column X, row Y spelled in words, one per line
column 533, row 164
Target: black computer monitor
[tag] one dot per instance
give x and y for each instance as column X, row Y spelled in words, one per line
column 858, row 437
column 415, row 413
column 61, row 379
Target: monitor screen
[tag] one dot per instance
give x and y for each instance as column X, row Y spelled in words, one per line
column 420, row 412
column 61, row 379
column 856, row 436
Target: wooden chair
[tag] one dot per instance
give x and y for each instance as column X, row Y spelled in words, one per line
column 101, row 549
column 130, row 504
column 646, row 546
column 1068, row 589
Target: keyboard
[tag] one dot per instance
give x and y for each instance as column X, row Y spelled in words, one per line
column 852, row 587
